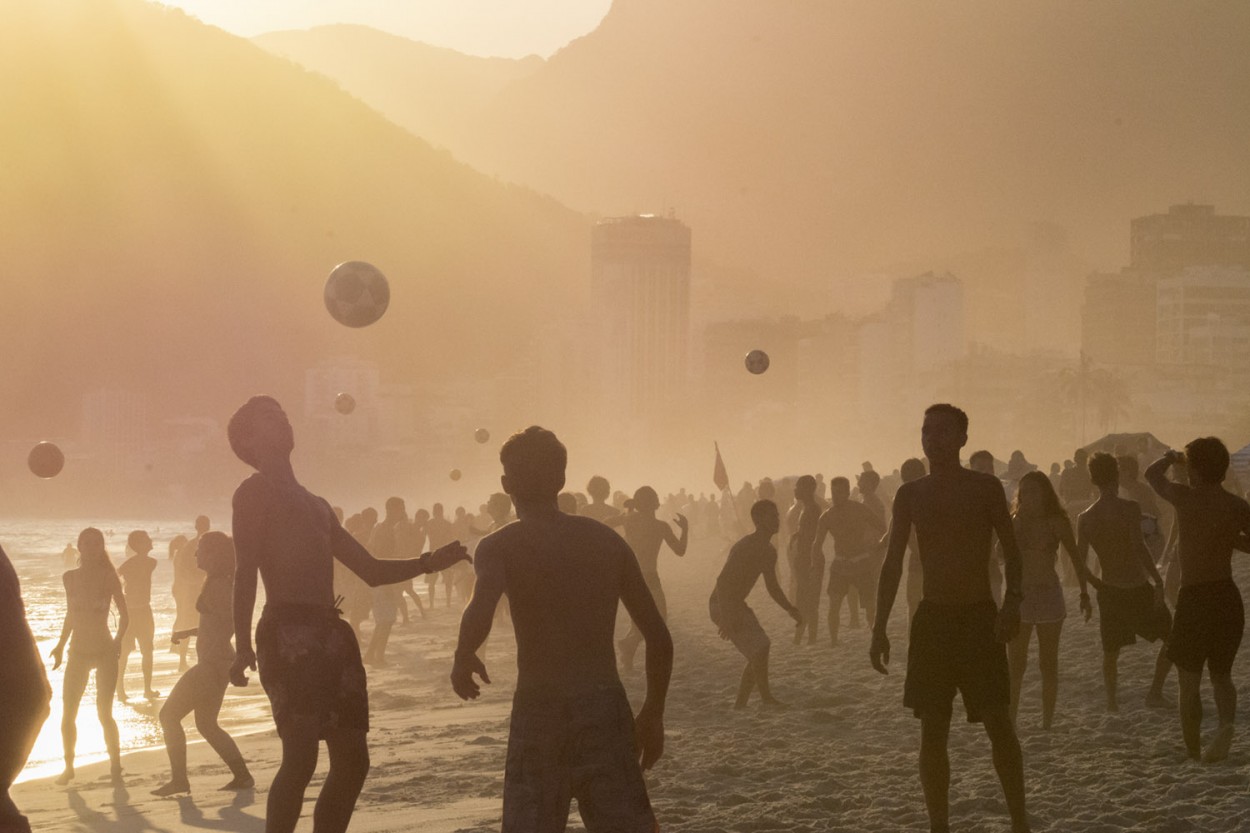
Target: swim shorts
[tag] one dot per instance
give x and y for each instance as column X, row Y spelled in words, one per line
column 1207, row 629
column 1125, row 613
column 742, row 627
column 952, row 648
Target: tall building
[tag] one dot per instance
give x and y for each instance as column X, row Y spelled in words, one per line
column 1204, row 317
column 1188, row 235
column 1118, row 319
column 640, row 268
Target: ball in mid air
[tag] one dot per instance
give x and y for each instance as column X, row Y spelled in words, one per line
column 357, row 293
column 344, row 403
column 757, row 361
column 45, row 460
column 454, row 474
column 481, row 435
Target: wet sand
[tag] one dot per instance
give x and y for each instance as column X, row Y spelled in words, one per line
column 842, row 758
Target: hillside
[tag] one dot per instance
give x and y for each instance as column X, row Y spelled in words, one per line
column 172, row 198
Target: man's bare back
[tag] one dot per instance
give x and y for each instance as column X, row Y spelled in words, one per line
column 1112, row 526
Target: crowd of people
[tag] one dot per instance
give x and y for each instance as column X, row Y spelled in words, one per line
column 976, row 548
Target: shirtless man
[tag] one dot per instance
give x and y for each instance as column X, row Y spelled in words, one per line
column 1209, row 614
column 856, row 529
column 644, row 533
column 136, row 575
column 807, row 564
column 958, row 637
column 439, row 531
column 1127, row 605
column 599, row 490
column 753, row 556
column 309, row 660
column 572, row 734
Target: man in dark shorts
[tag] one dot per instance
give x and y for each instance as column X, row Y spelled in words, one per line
column 309, row 660
column 856, row 531
column 1128, row 607
column 1209, row 617
column 24, row 693
column 572, row 734
column 958, row 636
column 753, row 556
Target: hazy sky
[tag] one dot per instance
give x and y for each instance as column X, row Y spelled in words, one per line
column 512, row 28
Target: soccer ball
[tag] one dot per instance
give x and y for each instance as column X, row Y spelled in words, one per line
column 481, row 435
column 45, row 460
column 757, row 361
column 344, row 403
column 357, row 294
column 455, row 474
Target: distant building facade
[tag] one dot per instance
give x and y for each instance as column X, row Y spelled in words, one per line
column 1204, row 317
column 1188, row 235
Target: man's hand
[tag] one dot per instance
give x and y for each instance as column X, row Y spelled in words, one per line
column 243, row 660
column 681, row 522
column 445, row 556
column 1008, row 623
column 649, row 733
column 879, row 651
column 117, row 646
column 1086, row 607
column 462, row 676
column 58, row 656
column 796, row 615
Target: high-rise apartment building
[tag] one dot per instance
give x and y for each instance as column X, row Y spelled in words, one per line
column 1188, row 235
column 1204, row 317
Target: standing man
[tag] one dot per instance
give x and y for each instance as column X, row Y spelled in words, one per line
column 309, row 660
column 856, row 531
column 807, row 563
column 136, row 575
column 753, row 556
column 1209, row 617
column 572, row 733
column 958, row 636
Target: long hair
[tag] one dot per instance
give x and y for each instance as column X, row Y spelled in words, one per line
column 96, row 557
column 1050, row 500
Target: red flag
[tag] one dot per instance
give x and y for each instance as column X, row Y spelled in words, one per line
column 719, row 476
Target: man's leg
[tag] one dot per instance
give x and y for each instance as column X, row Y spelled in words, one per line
column 1226, row 706
column 1048, row 661
column 1008, row 763
column 759, row 666
column 836, row 595
column 146, row 650
column 1017, row 662
column 349, row 764
column 1163, row 665
column 286, row 795
column 745, row 686
column 852, row 607
column 1110, row 674
column 935, row 769
column 1190, row 706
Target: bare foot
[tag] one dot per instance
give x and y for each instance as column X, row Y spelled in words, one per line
column 1156, row 700
column 245, row 781
column 1219, row 746
column 773, row 704
column 172, row 788
column 1113, row 707
column 65, row 777
column 151, row 694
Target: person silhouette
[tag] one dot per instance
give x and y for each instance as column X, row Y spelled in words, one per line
column 136, row 575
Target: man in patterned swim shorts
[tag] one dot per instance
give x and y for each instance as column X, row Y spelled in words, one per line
column 309, row 660
column 572, row 733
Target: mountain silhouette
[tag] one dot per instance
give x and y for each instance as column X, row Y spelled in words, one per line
column 809, row 141
column 172, row 199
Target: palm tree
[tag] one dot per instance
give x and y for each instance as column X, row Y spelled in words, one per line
column 1086, row 385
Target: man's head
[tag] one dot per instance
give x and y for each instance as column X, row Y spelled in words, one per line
column 369, row 515
column 260, row 429
column 982, row 461
column 839, row 490
column 766, row 490
column 533, row 465
column 805, row 488
column 202, row 524
column 765, row 516
column 912, row 469
column 1129, row 467
column 215, row 554
column 945, row 431
column 599, row 488
column 1207, row 458
column 1104, row 471
column 140, row 542
column 499, row 506
column 1080, row 456
column 644, row 500
column 395, row 508
column 868, row 481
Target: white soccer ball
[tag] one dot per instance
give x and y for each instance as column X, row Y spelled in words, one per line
column 357, row 293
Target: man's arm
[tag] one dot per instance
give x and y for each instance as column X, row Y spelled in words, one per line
column 891, row 575
column 247, row 515
column 476, row 621
column 1157, row 477
column 678, row 545
column 379, row 571
column 641, row 607
column 774, row 589
column 1009, row 615
column 1078, row 564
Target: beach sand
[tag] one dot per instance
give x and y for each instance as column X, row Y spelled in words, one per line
column 842, row 758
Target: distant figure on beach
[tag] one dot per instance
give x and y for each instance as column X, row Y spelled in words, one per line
column 856, row 530
column 958, row 634
column 1128, row 607
column 1041, row 525
column 136, row 575
column 188, row 580
column 753, row 556
column 24, row 693
column 69, row 556
column 385, row 544
column 91, row 590
column 1210, row 618
column 644, row 533
column 572, row 733
column 203, row 687
column 310, row 665
column 439, row 531
column 807, row 563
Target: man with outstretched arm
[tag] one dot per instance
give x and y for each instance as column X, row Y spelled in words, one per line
column 572, row 733
column 1210, row 617
column 309, row 660
column 958, row 636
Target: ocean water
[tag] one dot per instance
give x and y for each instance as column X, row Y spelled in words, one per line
column 35, row 547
